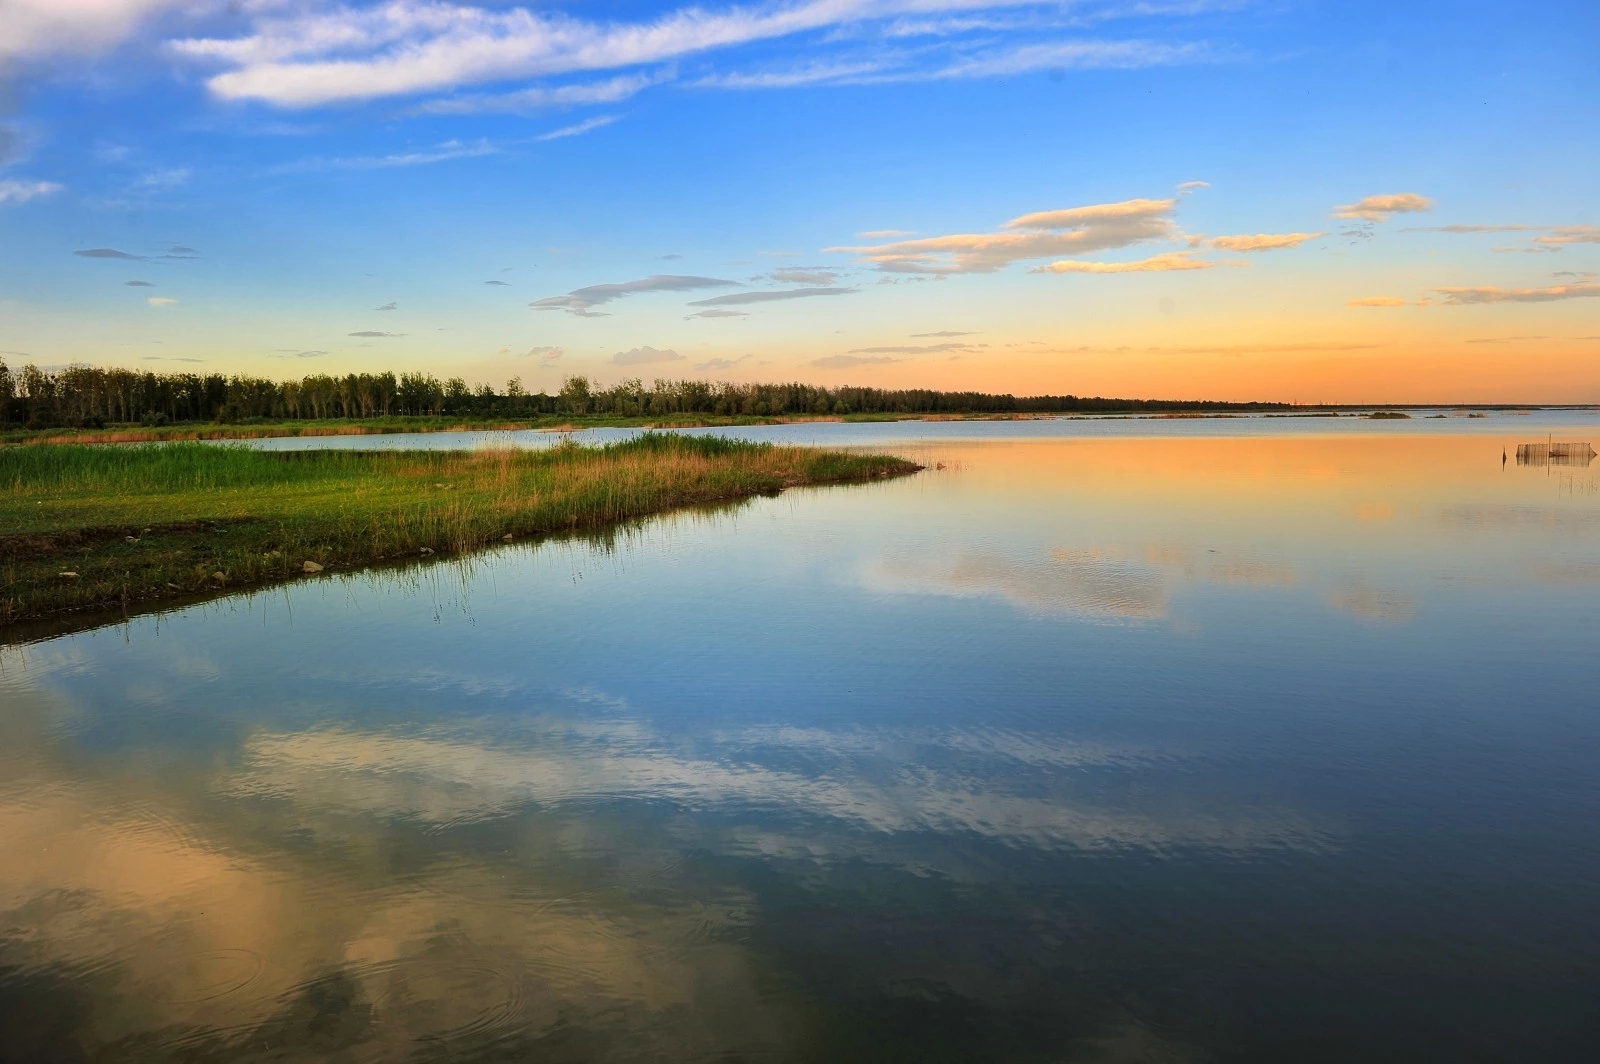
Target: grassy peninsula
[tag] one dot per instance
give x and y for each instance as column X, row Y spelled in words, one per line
column 94, row 527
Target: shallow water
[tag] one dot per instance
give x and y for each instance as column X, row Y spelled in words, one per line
column 1264, row 746
column 1530, row 425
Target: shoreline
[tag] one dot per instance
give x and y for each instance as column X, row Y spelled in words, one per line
column 96, row 530
column 188, row 432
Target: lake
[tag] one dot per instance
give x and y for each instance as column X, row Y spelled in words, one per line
column 1136, row 740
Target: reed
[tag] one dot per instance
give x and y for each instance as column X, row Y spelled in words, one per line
column 141, row 524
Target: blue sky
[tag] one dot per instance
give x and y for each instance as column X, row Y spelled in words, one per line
column 827, row 191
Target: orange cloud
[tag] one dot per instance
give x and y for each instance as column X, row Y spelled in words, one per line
column 1172, row 260
column 1072, row 231
column 1263, row 241
column 1376, row 301
column 1571, row 234
column 1382, row 208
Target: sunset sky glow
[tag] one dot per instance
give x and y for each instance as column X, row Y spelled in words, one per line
column 1301, row 200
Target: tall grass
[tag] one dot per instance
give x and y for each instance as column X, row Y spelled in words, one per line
column 144, row 522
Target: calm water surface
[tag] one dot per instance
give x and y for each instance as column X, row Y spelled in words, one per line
column 1268, row 746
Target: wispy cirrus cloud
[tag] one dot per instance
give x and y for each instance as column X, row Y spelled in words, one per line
column 739, row 299
column 816, row 275
column 306, row 56
column 1070, row 231
column 581, row 301
column 1005, row 60
column 441, row 153
column 852, row 361
column 578, row 129
column 1383, row 207
column 1551, row 238
column 547, row 97
column 1376, row 301
column 911, row 349
column 791, row 77
column 1470, row 228
column 1492, row 294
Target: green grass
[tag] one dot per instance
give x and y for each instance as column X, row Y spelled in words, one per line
column 426, row 423
column 259, row 428
column 144, row 523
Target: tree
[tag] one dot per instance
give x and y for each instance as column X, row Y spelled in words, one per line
column 575, row 397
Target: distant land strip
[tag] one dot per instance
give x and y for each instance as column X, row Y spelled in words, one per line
column 88, row 396
column 91, row 404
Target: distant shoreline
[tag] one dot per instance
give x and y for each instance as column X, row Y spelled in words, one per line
column 271, row 428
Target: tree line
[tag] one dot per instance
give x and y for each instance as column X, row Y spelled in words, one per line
column 88, row 396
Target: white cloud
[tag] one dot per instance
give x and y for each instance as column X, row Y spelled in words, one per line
column 538, row 98
column 1072, row 231
column 1068, row 55
column 450, row 149
column 1491, row 294
column 820, row 73
column 34, row 28
column 23, row 191
column 1382, row 208
column 1263, row 241
column 1002, row 61
column 161, row 301
column 577, row 129
column 163, row 180
column 644, row 356
column 1188, row 187
column 1163, row 263
column 311, row 57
